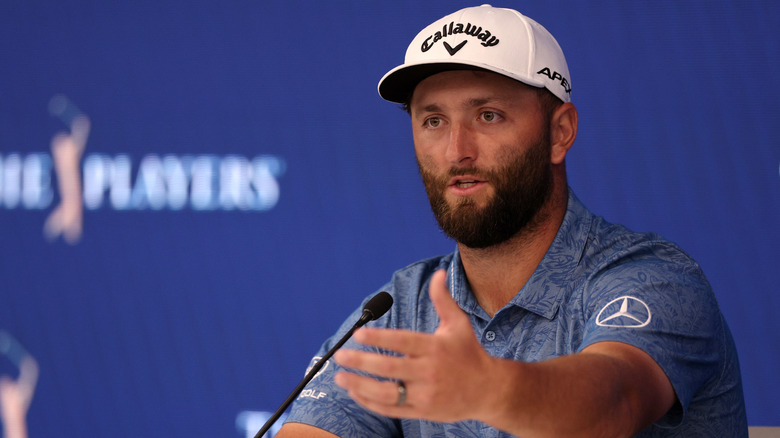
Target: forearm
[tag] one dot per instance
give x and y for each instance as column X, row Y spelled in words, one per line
column 296, row 430
column 582, row 395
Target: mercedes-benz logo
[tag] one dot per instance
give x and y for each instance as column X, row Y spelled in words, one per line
column 624, row 312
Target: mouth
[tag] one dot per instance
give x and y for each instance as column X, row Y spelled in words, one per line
column 465, row 182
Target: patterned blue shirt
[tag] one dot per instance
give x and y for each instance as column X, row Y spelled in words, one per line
column 597, row 282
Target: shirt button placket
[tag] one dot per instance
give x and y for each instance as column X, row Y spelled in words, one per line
column 490, row 335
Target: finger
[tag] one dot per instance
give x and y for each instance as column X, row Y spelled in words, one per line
column 388, row 410
column 406, row 342
column 380, row 397
column 367, row 389
column 446, row 307
column 381, row 365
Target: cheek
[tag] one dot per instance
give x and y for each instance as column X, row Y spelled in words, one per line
column 425, row 151
column 422, row 145
column 429, row 141
column 425, row 161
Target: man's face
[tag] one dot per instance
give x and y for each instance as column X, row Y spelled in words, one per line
column 483, row 151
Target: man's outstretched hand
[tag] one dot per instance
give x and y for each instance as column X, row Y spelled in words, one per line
column 446, row 373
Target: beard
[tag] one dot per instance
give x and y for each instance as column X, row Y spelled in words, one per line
column 522, row 187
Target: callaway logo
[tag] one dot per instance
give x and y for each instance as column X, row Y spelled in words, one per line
column 453, row 50
column 624, row 312
column 488, row 40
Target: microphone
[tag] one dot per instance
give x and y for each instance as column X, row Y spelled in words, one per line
column 377, row 306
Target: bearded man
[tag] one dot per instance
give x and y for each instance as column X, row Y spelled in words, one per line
column 546, row 321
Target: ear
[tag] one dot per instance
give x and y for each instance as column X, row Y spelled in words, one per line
column 563, row 131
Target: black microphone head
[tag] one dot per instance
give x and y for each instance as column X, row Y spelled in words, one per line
column 378, row 305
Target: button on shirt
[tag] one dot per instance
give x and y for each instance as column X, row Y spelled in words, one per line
column 597, row 282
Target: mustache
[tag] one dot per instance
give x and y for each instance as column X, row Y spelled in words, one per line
column 475, row 172
column 439, row 181
column 461, row 171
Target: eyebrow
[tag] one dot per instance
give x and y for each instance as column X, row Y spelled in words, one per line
column 469, row 103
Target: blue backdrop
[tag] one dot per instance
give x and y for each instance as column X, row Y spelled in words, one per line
column 244, row 187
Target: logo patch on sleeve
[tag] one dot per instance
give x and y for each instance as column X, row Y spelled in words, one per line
column 313, row 362
column 624, row 312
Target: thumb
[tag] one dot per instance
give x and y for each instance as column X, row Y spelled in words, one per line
column 446, row 307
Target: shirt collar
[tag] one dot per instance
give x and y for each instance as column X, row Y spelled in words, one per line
column 543, row 292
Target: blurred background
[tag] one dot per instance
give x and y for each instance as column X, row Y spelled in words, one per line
column 194, row 195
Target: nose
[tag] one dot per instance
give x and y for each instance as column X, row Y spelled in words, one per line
column 461, row 149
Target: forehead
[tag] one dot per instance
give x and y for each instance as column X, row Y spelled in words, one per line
column 460, row 86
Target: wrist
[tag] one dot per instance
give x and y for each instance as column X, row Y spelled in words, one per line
column 502, row 404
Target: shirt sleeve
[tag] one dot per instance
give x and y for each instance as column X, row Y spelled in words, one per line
column 658, row 300
column 325, row 405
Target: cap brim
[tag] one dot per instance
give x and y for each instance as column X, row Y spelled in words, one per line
column 397, row 85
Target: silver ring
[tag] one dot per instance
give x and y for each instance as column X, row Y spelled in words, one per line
column 401, row 393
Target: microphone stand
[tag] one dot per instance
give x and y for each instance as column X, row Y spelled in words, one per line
column 370, row 313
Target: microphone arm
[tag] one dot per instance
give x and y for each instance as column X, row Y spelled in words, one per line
column 374, row 309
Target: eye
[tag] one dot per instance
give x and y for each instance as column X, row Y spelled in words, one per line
column 489, row 116
column 432, row 122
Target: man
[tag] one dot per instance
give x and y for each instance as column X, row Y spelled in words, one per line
column 583, row 328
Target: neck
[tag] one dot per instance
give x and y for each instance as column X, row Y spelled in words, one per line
column 496, row 274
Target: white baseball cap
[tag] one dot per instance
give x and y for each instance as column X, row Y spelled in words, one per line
column 482, row 38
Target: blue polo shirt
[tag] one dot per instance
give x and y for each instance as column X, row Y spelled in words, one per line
column 597, row 282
